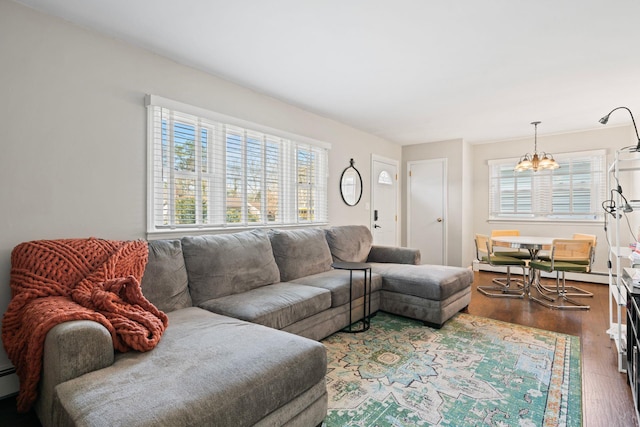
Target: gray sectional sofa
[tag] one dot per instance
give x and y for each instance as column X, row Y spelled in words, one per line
column 246, row 311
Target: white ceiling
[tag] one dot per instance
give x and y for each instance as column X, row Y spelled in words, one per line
column 410, row 71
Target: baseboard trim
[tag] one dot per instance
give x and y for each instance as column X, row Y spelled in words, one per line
column 9, row 385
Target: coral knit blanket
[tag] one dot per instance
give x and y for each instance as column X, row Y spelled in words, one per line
column 54, row 281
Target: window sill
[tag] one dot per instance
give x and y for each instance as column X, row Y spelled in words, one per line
column 546, row 221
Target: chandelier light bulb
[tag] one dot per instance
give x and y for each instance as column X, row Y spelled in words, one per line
column 536, row 161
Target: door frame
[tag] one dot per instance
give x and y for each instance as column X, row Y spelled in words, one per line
column 444, row 188
column 396, row 163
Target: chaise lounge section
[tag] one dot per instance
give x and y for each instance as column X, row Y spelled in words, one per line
column 245, row 313
column 431, row 293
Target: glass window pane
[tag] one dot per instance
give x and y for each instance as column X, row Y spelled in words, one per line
column 184, row 147
column 235, row 180
column 164, row 195
column 254, row 170
column 205, row 201
column 165, row 145
column 385, row 178
column 272, row 181
column 305, row 203
column 304, row 185
column 185, row 201
column 304, row 166
column 204, row 141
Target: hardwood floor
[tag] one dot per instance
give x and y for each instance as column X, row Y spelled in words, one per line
column 607, row 397
column 606, row 394
column 10, row 418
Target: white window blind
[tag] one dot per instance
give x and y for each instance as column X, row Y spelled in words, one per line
column 208, row 170
column 575, row 191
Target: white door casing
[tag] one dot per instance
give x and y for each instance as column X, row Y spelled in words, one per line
column 427, row 209
column 384, row 201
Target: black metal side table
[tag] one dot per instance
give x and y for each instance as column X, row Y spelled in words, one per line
column 366, row 303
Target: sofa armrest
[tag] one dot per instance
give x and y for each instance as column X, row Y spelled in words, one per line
column 71, row 349
column 394, row 254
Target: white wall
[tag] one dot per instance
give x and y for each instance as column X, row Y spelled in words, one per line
column 73, row 133
column 607, row 137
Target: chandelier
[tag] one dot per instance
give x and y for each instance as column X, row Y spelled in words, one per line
column 536, row 161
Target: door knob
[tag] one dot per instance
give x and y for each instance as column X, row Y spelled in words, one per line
column 439, row 220
column 376, row 226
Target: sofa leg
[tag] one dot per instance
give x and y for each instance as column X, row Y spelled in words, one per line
column 433, row 325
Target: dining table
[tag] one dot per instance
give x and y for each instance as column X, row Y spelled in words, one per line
column 534, row 244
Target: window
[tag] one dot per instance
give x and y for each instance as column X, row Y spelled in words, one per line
column 575, row 191
column 385, row 178
column 207, row 170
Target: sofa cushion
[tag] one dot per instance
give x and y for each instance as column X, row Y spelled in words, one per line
column 277, row 306
column 431, row 282
column 226, row 264
column 394, row 254
column 349, row 243
column 337, row 281
column 208, row 369
column 165, row 283
column 300, row 253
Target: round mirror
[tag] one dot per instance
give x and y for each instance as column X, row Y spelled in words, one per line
column 351, row 185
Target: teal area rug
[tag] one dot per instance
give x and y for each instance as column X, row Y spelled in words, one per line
column 472, row 372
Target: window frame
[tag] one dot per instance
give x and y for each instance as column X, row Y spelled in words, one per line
column 163, row 115
column 541, row 186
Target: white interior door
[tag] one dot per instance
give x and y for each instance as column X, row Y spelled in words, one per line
column 384, row 199
column 426, row 209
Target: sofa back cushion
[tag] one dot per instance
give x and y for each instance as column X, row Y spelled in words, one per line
column 349, row 243
column 300, row 253
column 226, row 264
column 165, row 283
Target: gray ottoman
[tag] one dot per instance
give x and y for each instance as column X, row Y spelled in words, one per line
column 431, row 293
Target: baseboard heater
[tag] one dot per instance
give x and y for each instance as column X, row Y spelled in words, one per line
column 7, row 371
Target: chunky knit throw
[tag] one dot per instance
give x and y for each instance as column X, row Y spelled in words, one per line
column 54, row 281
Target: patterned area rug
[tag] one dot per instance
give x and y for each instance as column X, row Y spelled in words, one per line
column 472, row 372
